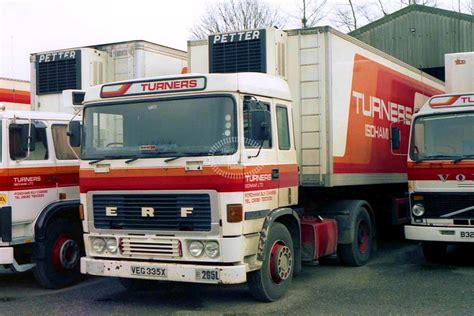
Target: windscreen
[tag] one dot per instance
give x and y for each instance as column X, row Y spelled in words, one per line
column 443, row 136
column 160, row 128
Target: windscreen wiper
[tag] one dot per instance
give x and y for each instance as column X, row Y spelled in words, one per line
column 181, row 155
column 431, row 158
column 107, row 157
column 471, row 156
column 147, row 155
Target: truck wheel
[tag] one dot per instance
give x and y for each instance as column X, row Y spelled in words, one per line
column 57, row 257
column 434, row 251
column 359, row 251
column 272, row 281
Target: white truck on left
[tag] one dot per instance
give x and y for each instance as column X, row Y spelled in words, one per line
column 40, row 225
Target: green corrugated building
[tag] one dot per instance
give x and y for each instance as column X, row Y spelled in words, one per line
column 420, row 36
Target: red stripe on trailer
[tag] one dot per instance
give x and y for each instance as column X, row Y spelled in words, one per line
column 15, row 96
column 367, row 148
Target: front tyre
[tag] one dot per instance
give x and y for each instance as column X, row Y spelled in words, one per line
column 58, row 256
column 359, row 251
column 272, row 281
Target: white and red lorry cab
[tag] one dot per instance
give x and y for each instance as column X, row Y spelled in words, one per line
column 39, row 206
column 210, row 177
column 441, row 163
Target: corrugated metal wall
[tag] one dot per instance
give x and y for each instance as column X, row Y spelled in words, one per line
column 420, row 36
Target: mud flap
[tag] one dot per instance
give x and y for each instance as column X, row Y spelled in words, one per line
column 6, row 223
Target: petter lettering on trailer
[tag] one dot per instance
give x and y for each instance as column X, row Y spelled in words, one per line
column 235, row 37
column 56, row 56
column 153, row 87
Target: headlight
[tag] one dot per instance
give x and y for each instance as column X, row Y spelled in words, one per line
column 212, row 249
column 418, row 210
column 111, row 245
column 98, row 245
column 196, row 248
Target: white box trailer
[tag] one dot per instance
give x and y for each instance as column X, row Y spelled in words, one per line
column 83, row 67
column 346, row 95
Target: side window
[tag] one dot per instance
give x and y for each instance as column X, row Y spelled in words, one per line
column 283, row 128
column 41, row 146
column 61, row 143
column 250, row 143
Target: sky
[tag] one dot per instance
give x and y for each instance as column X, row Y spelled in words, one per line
column 30, row 26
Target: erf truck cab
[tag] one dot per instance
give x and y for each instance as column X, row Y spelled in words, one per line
column 39, row 197
column 282, row 147
column 440, row 164
column 179, row 188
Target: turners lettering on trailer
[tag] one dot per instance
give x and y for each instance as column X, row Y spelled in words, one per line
column 378, row 108
column 381, row 110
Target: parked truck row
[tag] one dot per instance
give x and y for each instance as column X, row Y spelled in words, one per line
column 278, row 148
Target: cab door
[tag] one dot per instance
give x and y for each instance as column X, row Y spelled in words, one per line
column 286, row 154
column 261, row 171
column 33, row 180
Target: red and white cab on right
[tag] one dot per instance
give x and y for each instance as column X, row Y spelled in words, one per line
column 441, row 163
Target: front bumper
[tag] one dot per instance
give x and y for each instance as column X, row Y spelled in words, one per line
column 439, row 233
column 174, row 271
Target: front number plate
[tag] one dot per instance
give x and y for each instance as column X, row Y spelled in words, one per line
column 156, row 272
column 208, row 275
column 468, row 235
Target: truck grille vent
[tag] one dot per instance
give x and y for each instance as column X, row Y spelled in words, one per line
column 238, row 56
column 166, row 212
column 59, row 75
column 438, row 204
column 150, row 247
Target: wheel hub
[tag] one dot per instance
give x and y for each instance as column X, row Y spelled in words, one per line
column 363, row 237
column 65, row 253
column 281, row 261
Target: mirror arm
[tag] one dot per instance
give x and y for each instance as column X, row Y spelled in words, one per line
column 258, row 152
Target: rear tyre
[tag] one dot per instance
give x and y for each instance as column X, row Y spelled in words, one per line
column 274, row 278
column 58, row 257
column 359, row 251
column 434, row 251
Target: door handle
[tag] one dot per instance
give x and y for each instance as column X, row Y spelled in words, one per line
column 275, row 174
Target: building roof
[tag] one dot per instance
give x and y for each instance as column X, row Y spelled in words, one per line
column 413, row 8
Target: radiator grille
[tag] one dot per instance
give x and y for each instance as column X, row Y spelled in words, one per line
column 438, row 204
column 166, row 211
column 150, row 247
